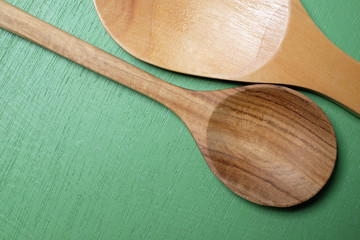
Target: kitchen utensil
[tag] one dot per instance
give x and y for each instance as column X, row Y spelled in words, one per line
column 271, row 41
column 266, row 143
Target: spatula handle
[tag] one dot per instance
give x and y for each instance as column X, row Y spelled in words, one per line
column 87, row 55
column 334, row 73
column 307, row 58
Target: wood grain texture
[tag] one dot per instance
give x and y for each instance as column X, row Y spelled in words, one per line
column 73, row 154
column 266, row 172
column 161, row 31
column 251, row 41
column 268, row 144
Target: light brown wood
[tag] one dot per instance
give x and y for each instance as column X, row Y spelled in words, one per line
column 266, row 143
column 271, row 41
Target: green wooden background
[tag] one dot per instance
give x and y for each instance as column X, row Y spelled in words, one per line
column 82, row 157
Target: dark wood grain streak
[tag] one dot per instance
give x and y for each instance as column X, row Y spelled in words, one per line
column 304, row 124
column 295, row 109
column 279, row 111
column 224, row 165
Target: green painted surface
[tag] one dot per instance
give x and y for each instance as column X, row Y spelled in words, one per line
column 84, row 158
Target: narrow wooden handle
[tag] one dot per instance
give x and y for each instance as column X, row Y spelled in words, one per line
column 87, row 55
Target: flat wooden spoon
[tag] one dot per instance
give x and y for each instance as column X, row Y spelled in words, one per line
column 266, row 143
column 262, row 41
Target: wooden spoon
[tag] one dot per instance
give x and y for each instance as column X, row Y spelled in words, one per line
column 267, row 41
column 266, row 143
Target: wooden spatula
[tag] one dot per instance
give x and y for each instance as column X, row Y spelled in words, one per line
column 262, row 41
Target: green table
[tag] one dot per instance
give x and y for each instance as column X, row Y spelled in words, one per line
column 82, row 157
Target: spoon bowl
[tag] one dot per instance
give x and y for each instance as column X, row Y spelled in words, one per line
column 259, row 41
column 266, row 143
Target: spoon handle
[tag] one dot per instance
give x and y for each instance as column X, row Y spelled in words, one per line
column 31, row 28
